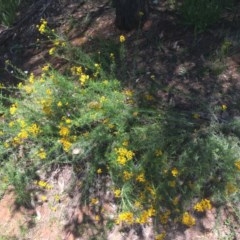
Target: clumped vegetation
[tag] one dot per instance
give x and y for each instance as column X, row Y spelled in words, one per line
column 202, row 13
column 161, row 163
column 8, row 11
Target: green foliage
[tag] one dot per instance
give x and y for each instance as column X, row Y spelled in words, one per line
column 8, row 11
column 202, row 13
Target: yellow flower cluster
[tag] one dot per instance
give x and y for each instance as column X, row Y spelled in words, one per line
column 25, row 131
column 188, row 219
column 64, row 132
column 59, row 43
column 34, row 129
column 43, row 184
column 78, row 71
column 203, row 205
column 146, row 215
column 43, row 26
column 66, row 144
column 125, row 217
column 124, row 155
column 31, row 78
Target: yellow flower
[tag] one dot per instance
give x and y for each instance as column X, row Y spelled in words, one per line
column 59, row 104
column 43, row 184
column 174, row 172
column 137, row 204
column 49, row 92
column 143, row 218
column 34, row 129
column 128, row 92
column 175, row 201
column 203, row 205
column 23, row 134
column 141, row 178
column 151, row 212
column 127, row 175
column 22, row 123
column 103, row 99
column 188, row 219
column 52, row 51
column 6, row 145
column 126, row 217
column 237, row 164
column 124, row 155
column 224, row 107
column 13, row 109
column 99, row 171
column 97, row 218
column 42, row 27
column 68, row 121
column 94, row 201
column 83, row 78
column 122, row 39
column 31, row 78
column 135, row 114
column 117, row 193
column 66, row 144
column 42, row 154
column 112, row 56
column 45, row 68
column 20, row 85
column 28, row 89
column 64, row 131
column 56, row 43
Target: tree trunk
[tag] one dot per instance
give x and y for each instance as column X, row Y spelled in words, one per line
column 131, row 14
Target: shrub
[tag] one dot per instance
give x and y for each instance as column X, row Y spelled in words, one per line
column 157, row 159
